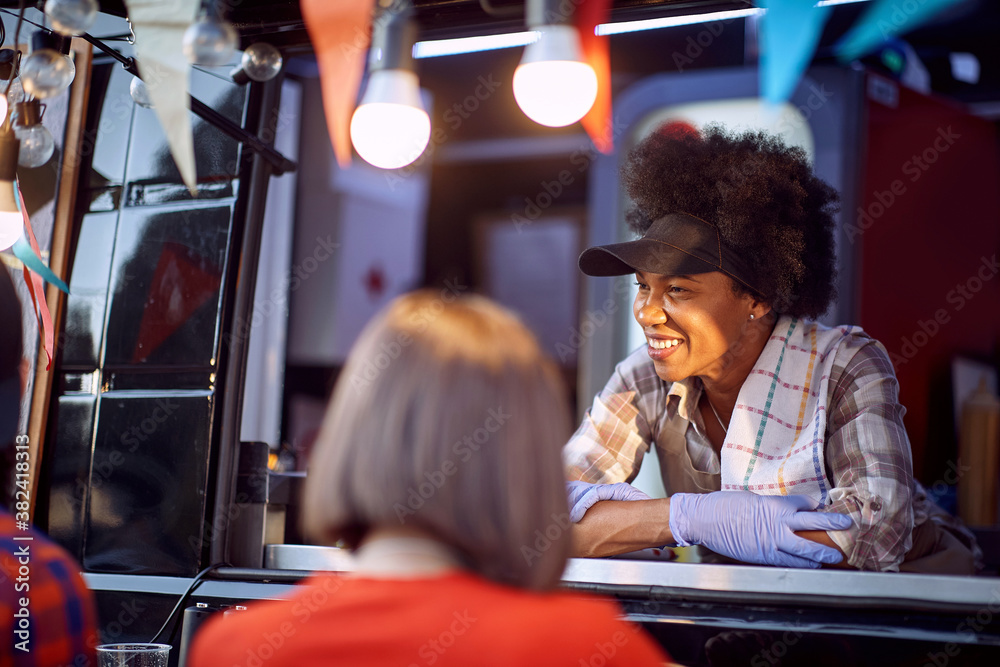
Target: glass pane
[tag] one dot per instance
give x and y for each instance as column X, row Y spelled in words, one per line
column 216, row 155
column 69, row 455
column 148, row 483
column 167, row 274
column 88, row 284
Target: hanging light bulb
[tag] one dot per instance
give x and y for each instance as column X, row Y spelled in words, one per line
column 140, row 93
column 71, row 17
column 390, row 128
column 15, row 93
column 37, row 144
column 7, row 64
column 11, row 221
column 553, row 85
column 210, row 42
column 260, row 62
column 48, row 70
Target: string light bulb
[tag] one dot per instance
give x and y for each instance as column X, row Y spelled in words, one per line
column 553, row 84
column 71, row 17
column 15, row 93
column 36, row 143
column 139, row 92
column 210, row 42
column 390, row 128
column 8, row 59
column 260, row 62
column 11, row 220
column 48, row 70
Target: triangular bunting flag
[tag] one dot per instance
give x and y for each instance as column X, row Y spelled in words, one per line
column 790, row 31
column 885, row 19
column 159, row 37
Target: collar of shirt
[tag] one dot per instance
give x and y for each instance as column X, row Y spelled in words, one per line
column 683, row 397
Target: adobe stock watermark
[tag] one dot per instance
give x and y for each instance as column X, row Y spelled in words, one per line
column 463, row 450
column 361, row 41
column 276, row 300
column 274, row 639
column 454, row 116
column 776, row 651
column 958, row 297
column 902, row 10
column 390, row 351
column 103, row 468
column 128, row 613
column 590, row 323
column 544, row 539
column 914, row 168
column 551, row 191
column 432, row 650
column 221, row 523
column 955, row 471
column 816, row 100
column 697, row 44
column 968, row 626
column 605, row 651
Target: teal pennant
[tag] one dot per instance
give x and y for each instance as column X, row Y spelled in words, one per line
column 22, row 250
column 790, row 31
column 885, row 19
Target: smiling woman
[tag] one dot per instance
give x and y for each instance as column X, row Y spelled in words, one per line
column 780, row 440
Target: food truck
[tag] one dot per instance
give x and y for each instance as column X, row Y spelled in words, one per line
column 204, row 327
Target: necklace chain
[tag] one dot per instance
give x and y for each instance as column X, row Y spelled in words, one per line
column 714, row 412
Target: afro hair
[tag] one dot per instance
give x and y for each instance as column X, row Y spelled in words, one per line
column 759, row 192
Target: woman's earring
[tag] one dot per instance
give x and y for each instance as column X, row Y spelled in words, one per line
column 751, row 316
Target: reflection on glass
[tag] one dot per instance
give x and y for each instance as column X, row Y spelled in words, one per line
column 148, row 483
column 168, row 271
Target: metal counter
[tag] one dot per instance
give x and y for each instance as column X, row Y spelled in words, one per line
column 732, row 582
column 848, row 617
column 825, row 587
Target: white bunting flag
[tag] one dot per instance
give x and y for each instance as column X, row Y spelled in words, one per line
column 159, row 27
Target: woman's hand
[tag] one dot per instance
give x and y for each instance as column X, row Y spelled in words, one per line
column 753, row 528
column 583, row 496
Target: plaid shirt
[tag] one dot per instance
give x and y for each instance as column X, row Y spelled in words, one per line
column 60, row 612
column 868, row 462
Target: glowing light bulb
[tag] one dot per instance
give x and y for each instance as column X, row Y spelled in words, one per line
column 37, row 145
column 261, row 61
column 47, row 72
column 553, row 85
column 390, row 128
column 11, row 221
column 210, row 42
column 71, row 17
column 15, row 93
column 140, row 93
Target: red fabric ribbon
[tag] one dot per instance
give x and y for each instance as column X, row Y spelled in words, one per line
column 598, row 121
column 36, row 287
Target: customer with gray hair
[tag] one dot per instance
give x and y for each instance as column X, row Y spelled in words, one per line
column 443, row 473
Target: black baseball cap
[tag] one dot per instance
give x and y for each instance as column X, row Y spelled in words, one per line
column 674, row 245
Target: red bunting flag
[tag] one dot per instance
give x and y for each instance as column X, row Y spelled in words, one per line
column 596, row 51
column 340, row 31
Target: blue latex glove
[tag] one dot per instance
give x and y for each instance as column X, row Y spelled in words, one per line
column 583, row 496
column 753, row 528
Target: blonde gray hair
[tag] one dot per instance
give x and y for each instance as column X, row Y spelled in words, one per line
column 447, row 417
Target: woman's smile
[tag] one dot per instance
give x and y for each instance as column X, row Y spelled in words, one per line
column 660, row 347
